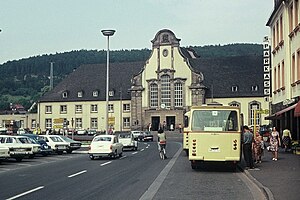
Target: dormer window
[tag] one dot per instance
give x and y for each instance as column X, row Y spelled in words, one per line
column 95, row 93
column 64, row 94
column 234, row 88
column 254, row 88
column 80, row 94
column 111, row 93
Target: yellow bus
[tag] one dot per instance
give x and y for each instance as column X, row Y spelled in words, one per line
column 214, row 134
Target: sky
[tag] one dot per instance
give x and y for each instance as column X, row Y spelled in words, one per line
column 37, row 27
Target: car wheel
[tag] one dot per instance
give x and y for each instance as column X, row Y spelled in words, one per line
column 31, row 156
column 59, row 152
column 69, row 151
column 92, row 157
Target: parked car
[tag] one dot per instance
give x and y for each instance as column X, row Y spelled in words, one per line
column 127, row 139
column 4, row 152
column 72, row 144
column 136, row 134
column 36, row 148
column 56, row 143
column 105, row 145
column 92, row 132
column 45, row 148
column 17, row 149
column 81, row 132
column 146, row 136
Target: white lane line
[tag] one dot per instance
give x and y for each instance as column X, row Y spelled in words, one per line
column 105, row 163
column 134, row 153
column 24, row 193
column 152, row 190
column 122, row 157
column 142, row 149
column 78, row 173
column 147, row 147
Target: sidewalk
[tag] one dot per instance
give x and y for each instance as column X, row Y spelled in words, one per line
column 279, row 179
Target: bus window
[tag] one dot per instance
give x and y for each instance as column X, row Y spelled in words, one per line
column 214, row 120
column 186, row 121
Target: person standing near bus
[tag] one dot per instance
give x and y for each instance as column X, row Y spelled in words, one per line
column 247, row 147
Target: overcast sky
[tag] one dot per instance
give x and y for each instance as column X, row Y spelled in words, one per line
column 36, row 27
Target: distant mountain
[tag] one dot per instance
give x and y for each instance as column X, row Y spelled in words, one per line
column 24, row 81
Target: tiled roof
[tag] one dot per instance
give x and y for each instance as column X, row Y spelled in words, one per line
column 220, row 74
column 90, row 78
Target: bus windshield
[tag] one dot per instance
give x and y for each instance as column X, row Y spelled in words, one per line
column 214, row 120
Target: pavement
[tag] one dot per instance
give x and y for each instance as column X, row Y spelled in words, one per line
column 277, row 179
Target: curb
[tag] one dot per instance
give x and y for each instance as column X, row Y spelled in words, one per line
column 267, row 192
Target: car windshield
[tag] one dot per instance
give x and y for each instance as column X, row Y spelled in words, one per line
column 56, row 139
column 125, row 135
column 107, row 139
column 67, row 139
column 24, row 140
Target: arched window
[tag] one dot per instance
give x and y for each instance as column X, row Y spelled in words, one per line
column 153, row 95
column 178, row 95
column 165, row 91
column 253, row 107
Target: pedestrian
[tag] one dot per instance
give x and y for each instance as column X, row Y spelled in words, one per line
column 274, row 142
column 149, row 127
column 258, row 147
column 247, row 147
column 286, row 139
column 171, row 127
column 180, row 128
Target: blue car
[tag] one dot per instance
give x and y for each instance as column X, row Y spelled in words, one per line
column 45, row 148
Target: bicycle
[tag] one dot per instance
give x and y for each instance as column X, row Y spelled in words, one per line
column 162, row 150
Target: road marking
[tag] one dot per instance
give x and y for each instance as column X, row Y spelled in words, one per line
column 147, row 147
column 78, row 173
column 122, row 157
column 22, row 194
column 134, row 153
column 105, row 163
column 142, row 149
column 152, row 190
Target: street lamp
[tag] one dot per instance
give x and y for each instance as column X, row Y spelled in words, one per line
column 108, row 33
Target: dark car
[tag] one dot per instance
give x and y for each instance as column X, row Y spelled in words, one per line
column 45, row 148
column 146, row 136
column 73, row 145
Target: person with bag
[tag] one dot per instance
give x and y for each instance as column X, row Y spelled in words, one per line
column 286, row 139
column 274, row 143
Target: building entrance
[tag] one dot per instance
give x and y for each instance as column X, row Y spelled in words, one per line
column 170, row 122
column 155, row 123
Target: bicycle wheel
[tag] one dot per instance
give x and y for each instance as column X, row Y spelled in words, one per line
column 161, row 154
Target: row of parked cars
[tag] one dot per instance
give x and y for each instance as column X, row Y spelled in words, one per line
column 113, row 145
column 29, row 145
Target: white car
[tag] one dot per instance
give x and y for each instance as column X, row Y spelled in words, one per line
column 17, row 148
column 56, row 143
column 136, row 134
column 4, row 153
column 127, row 139
column 105, row 145
column 81, row 132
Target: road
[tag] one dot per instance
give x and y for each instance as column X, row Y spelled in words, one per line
column 137, row 175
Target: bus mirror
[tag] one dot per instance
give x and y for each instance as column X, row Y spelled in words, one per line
column 186, row 121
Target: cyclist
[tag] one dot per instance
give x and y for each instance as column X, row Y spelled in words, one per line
column 161, row 139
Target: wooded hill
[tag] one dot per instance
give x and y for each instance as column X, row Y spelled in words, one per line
column 24, row 81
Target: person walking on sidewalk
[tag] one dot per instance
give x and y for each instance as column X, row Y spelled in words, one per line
column 286, row 139
column 247, row 147
column 258, row 147
column 274, row 142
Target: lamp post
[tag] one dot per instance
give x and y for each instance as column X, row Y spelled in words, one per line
column 107, row 33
